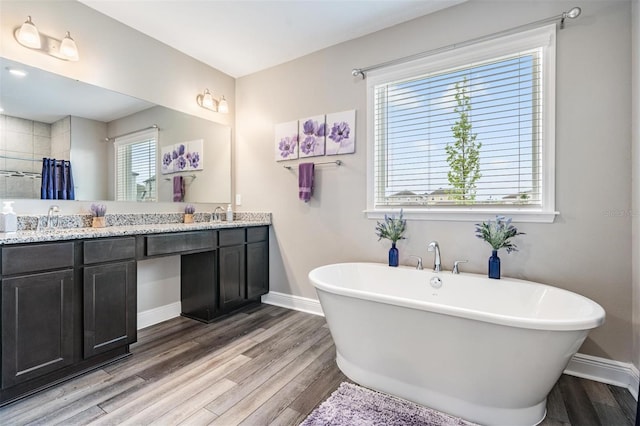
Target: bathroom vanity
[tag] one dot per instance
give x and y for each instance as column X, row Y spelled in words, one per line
column 69, row 303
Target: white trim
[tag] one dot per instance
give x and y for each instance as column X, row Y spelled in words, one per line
column 466, row 215
column 297, row 303
column 605, row 371
column 545, row 37
column 159, row 314
column 585, row 366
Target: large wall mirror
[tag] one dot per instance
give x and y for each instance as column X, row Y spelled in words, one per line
column 45, row 115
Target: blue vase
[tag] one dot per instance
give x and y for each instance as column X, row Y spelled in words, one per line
column 393, row 255
column 494, row 265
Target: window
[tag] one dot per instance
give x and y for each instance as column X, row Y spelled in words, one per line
column 136, row 166
column 467, row 132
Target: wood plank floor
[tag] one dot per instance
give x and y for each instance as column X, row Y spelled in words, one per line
column 262, row 366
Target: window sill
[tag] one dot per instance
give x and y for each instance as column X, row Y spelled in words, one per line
column 466, row 215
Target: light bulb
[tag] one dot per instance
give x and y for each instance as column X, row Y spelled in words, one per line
column 207, row 99
column 223, row 106
column 68, row 48
column 28, row 34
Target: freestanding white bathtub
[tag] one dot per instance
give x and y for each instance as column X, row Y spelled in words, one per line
column 486, row 350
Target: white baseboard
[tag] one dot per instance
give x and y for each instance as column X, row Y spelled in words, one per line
column 297, row 303
column 605, row 370
column 159, row 314
column 586, row 366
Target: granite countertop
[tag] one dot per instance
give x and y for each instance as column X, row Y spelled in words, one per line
column 74, row 233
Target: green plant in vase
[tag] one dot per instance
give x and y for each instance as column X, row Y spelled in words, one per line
column 498, row 234
column 392, row 229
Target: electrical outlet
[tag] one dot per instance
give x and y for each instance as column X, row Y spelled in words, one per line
column 238, row 200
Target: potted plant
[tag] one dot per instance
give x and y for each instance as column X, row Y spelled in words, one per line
column 392, row 229
column 189, row 210
column 498, row 234
column 98, row 211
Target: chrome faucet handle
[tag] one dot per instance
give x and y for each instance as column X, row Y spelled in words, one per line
column 419, row 265
column 455, row 269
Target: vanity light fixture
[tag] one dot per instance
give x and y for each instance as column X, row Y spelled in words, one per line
column 68, row 48
column 206, row 100
column 29, row 36
column 223, row 106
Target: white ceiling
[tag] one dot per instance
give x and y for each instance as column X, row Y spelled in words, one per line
column 245, row 36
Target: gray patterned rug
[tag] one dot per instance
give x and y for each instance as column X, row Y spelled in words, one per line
column 354, row 405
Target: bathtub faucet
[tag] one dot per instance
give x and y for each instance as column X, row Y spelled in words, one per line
column 433, row 246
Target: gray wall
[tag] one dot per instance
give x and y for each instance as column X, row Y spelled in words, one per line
column 635, row 126
column 88, row 158
column 586, row 250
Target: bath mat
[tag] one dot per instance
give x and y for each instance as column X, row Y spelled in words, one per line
column 354, row 405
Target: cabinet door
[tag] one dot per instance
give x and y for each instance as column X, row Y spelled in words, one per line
column 198, row 292
column 109, row 307
column 257, row 269
column 37, row 325
column 232, row 277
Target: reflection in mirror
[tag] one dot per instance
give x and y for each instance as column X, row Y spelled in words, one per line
column 46, row 115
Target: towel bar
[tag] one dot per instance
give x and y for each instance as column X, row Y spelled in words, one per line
column 187, row 176
column 337, row 162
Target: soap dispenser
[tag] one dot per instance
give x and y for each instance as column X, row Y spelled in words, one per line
column 8, row 218
column 229, row 214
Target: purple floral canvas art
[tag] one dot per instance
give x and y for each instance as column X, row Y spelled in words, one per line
column 182, row 157
column 341, row 133
column 311, row 136
column 286, row 141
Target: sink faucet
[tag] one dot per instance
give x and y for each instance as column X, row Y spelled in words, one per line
column 215, row 216
column 433, row 246
column 53, row 209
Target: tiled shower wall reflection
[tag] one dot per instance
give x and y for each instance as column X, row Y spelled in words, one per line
column 23, row 144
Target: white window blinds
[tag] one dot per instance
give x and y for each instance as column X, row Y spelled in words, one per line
column 464, row 135
column 136, row 166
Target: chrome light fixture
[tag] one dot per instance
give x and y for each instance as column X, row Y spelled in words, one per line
column 207, row 101
column 29, row 36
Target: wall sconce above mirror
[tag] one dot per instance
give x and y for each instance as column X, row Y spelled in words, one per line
column 29, row 36
column 207, row 101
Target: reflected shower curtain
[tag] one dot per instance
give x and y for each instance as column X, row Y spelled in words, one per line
column 57, row 180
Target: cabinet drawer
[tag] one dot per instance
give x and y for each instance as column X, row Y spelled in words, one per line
column 231, row 237
column 109, row 249
column 36, row 257
column 259, row 233
column 180, row 242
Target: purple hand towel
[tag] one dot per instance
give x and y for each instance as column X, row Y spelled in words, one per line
column 178, row 188
column 305, row 181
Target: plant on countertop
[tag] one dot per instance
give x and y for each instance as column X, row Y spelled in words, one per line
column 98, row 210
column 392, row 228
column 189, row 209
column 498, row 233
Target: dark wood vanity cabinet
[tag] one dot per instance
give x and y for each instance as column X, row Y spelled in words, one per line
column 38, row 329
column 37, row 325
column 232, row 263
column 109, row 295
column 257, row 261
column 217, row 282
column 71, row 306
column 66, row 307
